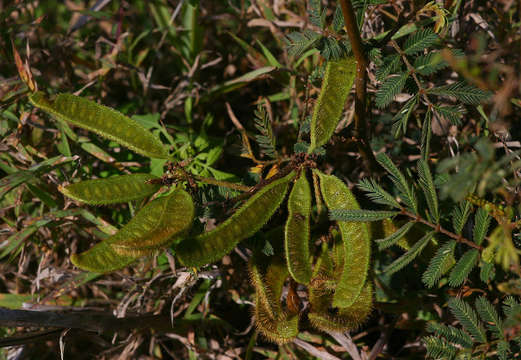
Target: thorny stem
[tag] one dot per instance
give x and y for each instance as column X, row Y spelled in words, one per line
column 439, row 229
column 360, row 84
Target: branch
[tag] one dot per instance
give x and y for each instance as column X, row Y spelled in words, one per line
column 360, row 85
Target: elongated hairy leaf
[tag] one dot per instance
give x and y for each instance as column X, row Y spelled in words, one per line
column 427, row 185
column 490, row 316
column 338, row 80
column 451, row 333
column 102, row 120
column 112, row 190
column 250, row 218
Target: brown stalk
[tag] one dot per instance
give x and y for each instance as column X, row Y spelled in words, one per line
column 360, row 131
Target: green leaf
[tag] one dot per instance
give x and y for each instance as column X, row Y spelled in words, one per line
column 463, row 267
column 299, row 42
column 103, row 121
column 481, row 224
column 420, row 40
column 468, row 319
column 439, row 348
column 390, row 64
column 451, row 113
column 266, row 139
column 377, row 194
column 440, row 263
column 462, row 91
column 427, row 185
column 406, row 192
column 389, row 89
column 410, row 255
column 426, row 136
column 451, row 333
column 395, row 237
column 117, row 189
column 430, row 63
column 361, row 215
column 336, row 85
column 460, row 215
column 487, row 271
column 490, row 316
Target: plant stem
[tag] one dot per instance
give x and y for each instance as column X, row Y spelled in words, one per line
column 439, row 229
column 360, row 85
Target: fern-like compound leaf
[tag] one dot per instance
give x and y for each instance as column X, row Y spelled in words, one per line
column 410, row 255
column 481, row 224
column 460, row 215
column 390, row 88
column 356, row 239
column 394, row 237
column 440, row 263
column 338, row 80
column 103, row 121
column 153, row 225
column 361, row 215
column 463, row 267
column 462, row 91
column 452, row 334
column 427, row 185
column 297, row 231
column 439, row 348
column 112, row 190
column 420, row 40
column 377, row 194
column 489, row 315
column 468, row 319
column 405, row 191
column 250, row 218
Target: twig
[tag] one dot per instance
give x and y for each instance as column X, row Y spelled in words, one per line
column 360, row 131
column 314, row 351
column 345, row 340
column 439, row 229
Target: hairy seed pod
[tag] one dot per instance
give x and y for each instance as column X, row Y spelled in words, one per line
column 113, row 190
column 174, row 222
column 103, row 121
column 297, row 231
column 272, row 321
column 250, row 218
column 154, row 226
column 341, row 319
column 336, row 85
column 356, row 238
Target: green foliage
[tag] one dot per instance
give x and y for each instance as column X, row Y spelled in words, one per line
column 440, row 263
column 266, row 140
